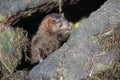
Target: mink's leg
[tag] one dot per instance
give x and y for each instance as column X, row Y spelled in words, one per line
column 35, row 56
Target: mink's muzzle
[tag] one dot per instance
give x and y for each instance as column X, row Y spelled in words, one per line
column 68, row 29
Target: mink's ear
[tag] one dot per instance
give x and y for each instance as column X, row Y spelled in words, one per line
column 51, row 21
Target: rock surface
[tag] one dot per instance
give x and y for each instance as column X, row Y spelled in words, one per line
column 83, row 56
column 12, row 10
column 12, row 7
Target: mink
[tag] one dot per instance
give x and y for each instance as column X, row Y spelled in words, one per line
column 49, row 37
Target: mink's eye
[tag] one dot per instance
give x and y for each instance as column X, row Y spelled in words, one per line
column 60, row 24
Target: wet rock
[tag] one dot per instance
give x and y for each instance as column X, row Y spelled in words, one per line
column 85, row 54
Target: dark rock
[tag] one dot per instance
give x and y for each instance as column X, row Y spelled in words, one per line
column 83, row 56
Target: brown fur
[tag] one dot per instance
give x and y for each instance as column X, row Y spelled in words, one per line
column 48, row 37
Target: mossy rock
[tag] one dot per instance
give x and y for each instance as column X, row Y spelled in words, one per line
column 12, row 43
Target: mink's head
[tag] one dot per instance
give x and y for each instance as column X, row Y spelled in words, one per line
column 56, row 23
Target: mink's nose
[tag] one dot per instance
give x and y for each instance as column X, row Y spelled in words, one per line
column 70, row 27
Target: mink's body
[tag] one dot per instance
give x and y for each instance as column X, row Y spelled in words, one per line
column 48, row 37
